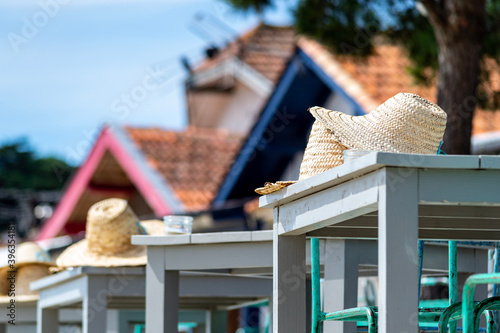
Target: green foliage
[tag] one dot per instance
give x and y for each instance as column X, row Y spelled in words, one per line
column 492, row 38
column 414, row 32
column 248, row 6
column 20, row 168
column 346, row 27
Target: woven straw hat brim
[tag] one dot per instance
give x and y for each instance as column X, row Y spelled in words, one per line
column 405, row 123
column 5, row 269
column 273, row 187
column 78, row 254
column 19, row 299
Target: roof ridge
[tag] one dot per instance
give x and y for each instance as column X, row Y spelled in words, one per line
column 190, row 129
column 251, row 32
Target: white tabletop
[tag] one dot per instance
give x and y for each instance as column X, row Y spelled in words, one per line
column 206, row 238
column 372, row 162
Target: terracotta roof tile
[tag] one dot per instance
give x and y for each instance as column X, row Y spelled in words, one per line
column 266, row 48
column 194, row 162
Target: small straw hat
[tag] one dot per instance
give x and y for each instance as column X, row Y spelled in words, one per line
column 405, row 123
column 110, row 226
column 32, row 263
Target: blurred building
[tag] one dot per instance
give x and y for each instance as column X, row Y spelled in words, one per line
column 26, row 209
column 159, row 172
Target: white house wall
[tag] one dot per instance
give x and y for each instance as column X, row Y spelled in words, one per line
column 338, row 103
column 206, row 107
column 242, row 111
column 236, row 111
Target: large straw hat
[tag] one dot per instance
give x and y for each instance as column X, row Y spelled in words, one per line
column 110, row 226
column 405, row 123
column 31, row 263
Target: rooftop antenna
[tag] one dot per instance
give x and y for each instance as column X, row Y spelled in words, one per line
column 186, row 64
column 201, row 33
column 222, row 27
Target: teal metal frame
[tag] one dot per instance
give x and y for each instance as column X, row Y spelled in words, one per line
column 355, row 314
column 489, row 304
column 468, row 295
column 140, row 328
column 452, row 279
column 369, row 313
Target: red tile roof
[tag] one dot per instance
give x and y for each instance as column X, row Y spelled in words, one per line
column 383, row 74
column 266, row 48
column 194, row 162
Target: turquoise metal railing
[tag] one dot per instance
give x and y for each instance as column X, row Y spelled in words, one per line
column 317, row 314
column 452, row 279
column 369, row 313
column 468, row 296
column 442, row 316
column 189, row 326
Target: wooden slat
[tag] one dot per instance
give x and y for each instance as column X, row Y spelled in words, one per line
column 437, row 234
column 459, row 187
column 489, row 162
column 429, row 222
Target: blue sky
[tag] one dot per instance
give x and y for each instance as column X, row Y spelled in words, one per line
column 68, row 66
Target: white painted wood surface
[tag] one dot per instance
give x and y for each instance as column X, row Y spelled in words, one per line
column 289, row 283
column 340, row 289
column 490, row 162
column 397, row 255
column 208, row 238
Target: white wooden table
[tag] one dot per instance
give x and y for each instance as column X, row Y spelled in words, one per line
column 395, row 198
column 95, row 290
column 245, row 258
column 26, row 319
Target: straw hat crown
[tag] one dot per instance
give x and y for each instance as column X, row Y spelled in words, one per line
column 111, row 223
column 405, row 123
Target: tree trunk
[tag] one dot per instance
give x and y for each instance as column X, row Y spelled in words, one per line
column 459, row 26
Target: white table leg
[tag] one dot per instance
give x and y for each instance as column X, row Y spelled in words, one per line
column 398, row 260
column 162, row 294
column 341, row 282
column 216, row 321
column 95, row 305
column 47, row 320
column 289, row 282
